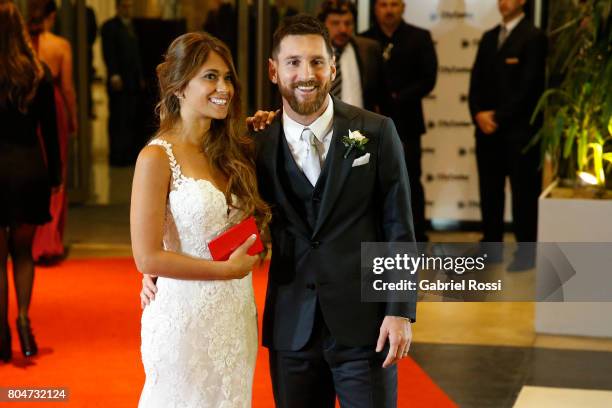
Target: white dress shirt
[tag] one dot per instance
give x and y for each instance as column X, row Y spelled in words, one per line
column 351, row 77
column 322, row 128
column 511, row 25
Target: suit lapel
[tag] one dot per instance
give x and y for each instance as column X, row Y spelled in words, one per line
column 514, row 35
column 360, row 61
column 339, row 167
column 276, row 133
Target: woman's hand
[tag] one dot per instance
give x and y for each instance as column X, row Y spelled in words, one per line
column 261, row 120
column 148, row 291
column 240, row 263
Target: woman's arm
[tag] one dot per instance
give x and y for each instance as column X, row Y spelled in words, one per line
column 147, row 213
column 67, row 85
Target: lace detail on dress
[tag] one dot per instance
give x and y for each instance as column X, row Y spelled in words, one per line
column 199, row 338
column 174, row 166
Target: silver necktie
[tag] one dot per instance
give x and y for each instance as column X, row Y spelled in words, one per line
column 503, row 35
column 312, row 164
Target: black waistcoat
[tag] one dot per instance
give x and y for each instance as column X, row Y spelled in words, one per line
column 305, row 198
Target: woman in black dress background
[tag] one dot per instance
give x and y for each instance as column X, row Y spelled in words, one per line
column 29, row 167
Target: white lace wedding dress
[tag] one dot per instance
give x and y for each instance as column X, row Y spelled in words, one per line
column 199, row 338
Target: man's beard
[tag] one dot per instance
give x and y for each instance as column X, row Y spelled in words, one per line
column 340, row 41
column 309, row 107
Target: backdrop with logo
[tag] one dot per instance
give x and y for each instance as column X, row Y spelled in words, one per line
column 449, row 177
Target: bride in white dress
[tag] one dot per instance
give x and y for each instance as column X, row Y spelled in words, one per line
column 199, row 335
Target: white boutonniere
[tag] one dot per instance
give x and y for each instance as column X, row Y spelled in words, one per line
column 354, row 140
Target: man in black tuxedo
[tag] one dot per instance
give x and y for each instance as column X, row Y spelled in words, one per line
column 506, row 83
column 221, row 22
column 359, row 64
column 411, row 68
column 125, row 83
column 278, row 11
column 323, row 340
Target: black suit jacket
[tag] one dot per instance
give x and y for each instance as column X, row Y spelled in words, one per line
column 222, row 24
column 370, row 62
column 510, row 80
column 121, row 53
column 410, row 74
column 358, row 204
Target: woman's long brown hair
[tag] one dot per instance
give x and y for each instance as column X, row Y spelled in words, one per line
column 226, row 145
column 20, row 70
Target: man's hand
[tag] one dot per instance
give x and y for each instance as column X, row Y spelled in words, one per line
column 147, row 294
column 486, row 122
column 261, row 120
column 116, row 83
column 399, row 332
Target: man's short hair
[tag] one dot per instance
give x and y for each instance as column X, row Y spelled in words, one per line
column 300, row 24
column 336, row 7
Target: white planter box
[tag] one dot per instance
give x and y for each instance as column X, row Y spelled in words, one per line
column 575, row 220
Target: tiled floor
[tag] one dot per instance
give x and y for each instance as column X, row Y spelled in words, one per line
column 480, row 354
column 492, row 376
column 546, row 397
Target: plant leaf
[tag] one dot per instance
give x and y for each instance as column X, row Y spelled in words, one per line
column 570, row 136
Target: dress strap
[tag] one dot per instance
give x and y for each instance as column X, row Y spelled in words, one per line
column 174, row 166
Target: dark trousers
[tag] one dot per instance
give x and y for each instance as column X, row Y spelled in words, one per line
column 123, row 126
column 497, row 157
column 412, row 153
column 313, row 376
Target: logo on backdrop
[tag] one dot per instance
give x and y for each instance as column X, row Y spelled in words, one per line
column 466, row 43
column 452, row 69
column 464, row 151
column 455, row 123
column 428, row 150
column 429, row 178
column 468, row 204
column 451, row 15
column 443, row 123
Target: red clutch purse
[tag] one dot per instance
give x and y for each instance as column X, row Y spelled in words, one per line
column 222, row 246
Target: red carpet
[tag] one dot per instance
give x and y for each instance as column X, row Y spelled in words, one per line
column 86, row 318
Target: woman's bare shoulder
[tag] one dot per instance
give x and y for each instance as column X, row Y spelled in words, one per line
column 55, row 42
column 152, row 154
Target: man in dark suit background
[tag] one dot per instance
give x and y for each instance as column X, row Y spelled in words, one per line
column 91, row 26
column 506, row 82
column 323, row 339
column 410, row 74
column 222, row 21
column 359, row 62
column 278, row 11
column 125, row 83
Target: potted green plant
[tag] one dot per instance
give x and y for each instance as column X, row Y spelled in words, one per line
column 576, row 141
column 576, row 135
